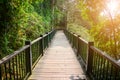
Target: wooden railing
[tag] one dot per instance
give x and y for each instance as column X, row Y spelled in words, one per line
column 98, row 65
column 19, row 65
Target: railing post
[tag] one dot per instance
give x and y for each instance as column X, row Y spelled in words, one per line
column 78, row 50
column 47, row 39
column 41, row 45
column 28, row 55
column 0, row 69
column 0, row 72
column 43, row 42
column 73, row 40
column 89, row 58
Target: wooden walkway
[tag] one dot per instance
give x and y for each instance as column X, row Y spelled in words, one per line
column 59, row 62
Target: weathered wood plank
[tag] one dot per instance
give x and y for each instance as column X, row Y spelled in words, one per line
column 57, row 77
column 59, row 62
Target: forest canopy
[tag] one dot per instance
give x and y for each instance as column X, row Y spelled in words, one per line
column 94, row 20
column 100, row 21
column 22, row 20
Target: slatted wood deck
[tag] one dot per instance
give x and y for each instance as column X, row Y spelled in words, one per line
column 59, row 62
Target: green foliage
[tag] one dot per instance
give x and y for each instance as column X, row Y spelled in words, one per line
column 76, row 24
column 106, row 37
column 105, row 32
column 79, row 30
column 22, row 20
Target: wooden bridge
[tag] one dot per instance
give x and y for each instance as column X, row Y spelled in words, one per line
column 59, row 62
column 52, row 57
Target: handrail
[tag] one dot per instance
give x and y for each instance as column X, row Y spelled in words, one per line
column 8, row 57
column 36, row 40
column 83, row 40
column 98, row 64
column 103, row 54
column 19, row 64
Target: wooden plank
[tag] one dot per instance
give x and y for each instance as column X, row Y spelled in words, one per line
column 59, row 62
column 58, row 77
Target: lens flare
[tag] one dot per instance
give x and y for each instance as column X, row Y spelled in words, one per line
column 111, row 8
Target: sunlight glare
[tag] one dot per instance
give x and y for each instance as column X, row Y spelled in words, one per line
column 112, row 8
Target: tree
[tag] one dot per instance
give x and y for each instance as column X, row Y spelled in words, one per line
column 22, row 20
column 104, row 30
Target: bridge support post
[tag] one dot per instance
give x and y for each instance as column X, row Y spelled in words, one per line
column 47, row 40
column 0, row 73
column 41, row 45
column 89, row 58
column 28, row 55
column 78, row 49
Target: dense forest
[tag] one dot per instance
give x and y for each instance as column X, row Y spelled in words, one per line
column 92, row 28
column 22, row 20
column 97, row 21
